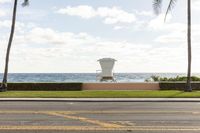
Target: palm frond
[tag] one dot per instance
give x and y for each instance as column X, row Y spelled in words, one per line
column 25, row 3
column 157, row 6
column 170, row 7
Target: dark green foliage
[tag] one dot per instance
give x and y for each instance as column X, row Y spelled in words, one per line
column 25, row 3
column 44, row 86
column 178, row 85
column 157, row 6
column 177, row 78
column 175, row 83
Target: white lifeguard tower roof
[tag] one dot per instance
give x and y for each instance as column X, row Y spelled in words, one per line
column 107, row 59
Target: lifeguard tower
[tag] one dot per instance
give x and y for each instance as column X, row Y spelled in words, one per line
column 106, row 72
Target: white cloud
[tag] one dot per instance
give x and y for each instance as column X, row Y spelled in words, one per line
column 110, row 15
column 158, row 23
column 179, row 36
column 7, row 24
column 118, row 27
column 83, row 11
column 5, row 1
column 196, row 5
column 115, row 15
column 49, row 36
column 43, row 47
column 38, row 49
column 2, row 13
column 144, row 13
column 78, row 52
column 171, row 38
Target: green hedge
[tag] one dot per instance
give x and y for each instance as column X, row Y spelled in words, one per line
column 44, row 86
column 172, row 79
column 178, row 85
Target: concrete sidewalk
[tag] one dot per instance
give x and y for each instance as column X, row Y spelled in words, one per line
column 103, row 99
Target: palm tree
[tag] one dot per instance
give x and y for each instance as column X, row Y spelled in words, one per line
column 157, row 9
column 3, row 86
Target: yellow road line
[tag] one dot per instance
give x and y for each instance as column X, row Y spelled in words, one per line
column 84, row 119
column 91, row 128
column 104, row 126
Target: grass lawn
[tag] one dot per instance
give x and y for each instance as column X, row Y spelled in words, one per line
column 100, row 94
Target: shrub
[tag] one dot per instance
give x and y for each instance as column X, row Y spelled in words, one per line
column 178, row 85
column 177, row 78
column 45, row 86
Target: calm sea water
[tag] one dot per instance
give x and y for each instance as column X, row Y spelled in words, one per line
column 82, row 77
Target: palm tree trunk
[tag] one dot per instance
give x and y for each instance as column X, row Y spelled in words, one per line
column 4, row 82
column 188, row 85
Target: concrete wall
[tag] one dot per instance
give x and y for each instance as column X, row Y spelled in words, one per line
column 81, row 86
column 120, row 86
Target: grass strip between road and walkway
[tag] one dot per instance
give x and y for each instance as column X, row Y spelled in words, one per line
column 100, row 94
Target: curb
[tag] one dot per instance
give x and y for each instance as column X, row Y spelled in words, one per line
column 99, row 99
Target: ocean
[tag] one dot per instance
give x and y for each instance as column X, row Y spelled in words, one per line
column 83, row 77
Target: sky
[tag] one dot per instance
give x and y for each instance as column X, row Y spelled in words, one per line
column 69, row 36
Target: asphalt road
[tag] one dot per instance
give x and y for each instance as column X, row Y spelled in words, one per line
column 99, row 117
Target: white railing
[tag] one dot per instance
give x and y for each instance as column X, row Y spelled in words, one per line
column 99, row 76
